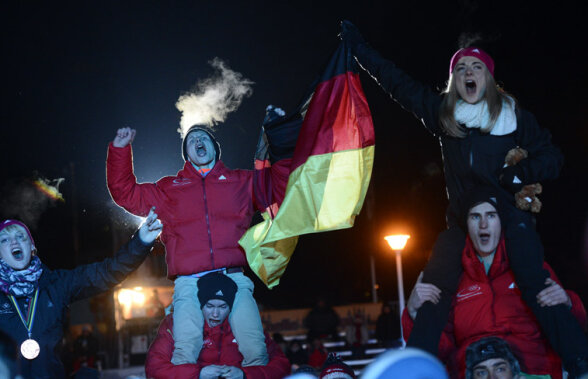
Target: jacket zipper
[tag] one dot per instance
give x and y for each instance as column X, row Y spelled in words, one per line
column 220, row 345
column 207, row 221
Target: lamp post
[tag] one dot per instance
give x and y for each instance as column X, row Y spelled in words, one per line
column 397, row 243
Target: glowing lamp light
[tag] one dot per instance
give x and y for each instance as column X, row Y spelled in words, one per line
column 128, row 297
column 125, row 297
column 397, row 241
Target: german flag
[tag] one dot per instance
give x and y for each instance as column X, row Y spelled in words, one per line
column 330, row 171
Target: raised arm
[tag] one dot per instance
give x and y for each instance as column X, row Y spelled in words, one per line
column 121, row 181
column 415, row 97
column 88, row 280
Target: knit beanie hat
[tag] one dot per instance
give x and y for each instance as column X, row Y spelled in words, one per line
column 206, row 130
column 478, row 195
column 15, row 222
column 216, row 286
column 489, row 348
column 335, row 368
column 475, row 52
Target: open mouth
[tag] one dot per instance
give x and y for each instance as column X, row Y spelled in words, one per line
column 470, row 86
column 484, row 238
column 17, row 254
column 200, row 150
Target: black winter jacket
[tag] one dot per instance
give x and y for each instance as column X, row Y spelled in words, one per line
column 58, row 289
column 477, row 158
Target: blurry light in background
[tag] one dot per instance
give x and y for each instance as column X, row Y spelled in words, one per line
column 397, row 241
column 128, row 297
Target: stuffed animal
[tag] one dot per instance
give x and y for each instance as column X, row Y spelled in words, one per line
column 526, row 199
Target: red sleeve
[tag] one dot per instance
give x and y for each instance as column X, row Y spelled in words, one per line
column 122, row 183
column 271, row 182
column 407, row 324
column 158, row 362
column 277, row 368
column 578, row 309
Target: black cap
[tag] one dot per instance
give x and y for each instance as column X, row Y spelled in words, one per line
column 216, row 286
column 489, row 348
column 478, row 195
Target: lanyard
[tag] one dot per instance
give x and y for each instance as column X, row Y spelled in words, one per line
column 31, row 315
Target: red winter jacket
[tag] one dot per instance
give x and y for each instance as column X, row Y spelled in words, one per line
column 491, row 305
column 219, row 348
column 203, row 217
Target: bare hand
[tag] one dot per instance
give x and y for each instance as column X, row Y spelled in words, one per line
column 150, row 228
column 553, row 295
column 232, row 372
column 211, row 372
column 420, row 293
column 124, row 136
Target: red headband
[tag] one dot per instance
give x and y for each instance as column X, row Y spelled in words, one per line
column 472, row 52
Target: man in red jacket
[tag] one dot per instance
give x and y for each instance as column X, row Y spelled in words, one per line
column 488, row 303
column 220, row 356
column 205, row 209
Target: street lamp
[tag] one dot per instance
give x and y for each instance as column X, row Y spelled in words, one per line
column 397, row 243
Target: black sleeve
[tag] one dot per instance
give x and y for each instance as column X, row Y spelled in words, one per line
column 412, row 95
column 88, row 280
column 545, row 159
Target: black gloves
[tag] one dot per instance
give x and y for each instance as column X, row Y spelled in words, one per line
column 350, row 34
column 512, row 178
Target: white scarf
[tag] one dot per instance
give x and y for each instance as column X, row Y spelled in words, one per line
column 477, row 116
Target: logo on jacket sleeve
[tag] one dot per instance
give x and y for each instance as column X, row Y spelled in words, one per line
column 471, row 291
column 6, row 308
column 180, row 181
column 222, row 177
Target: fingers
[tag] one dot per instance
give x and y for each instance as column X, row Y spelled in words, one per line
column 552, row 295
column 428, row 292
column 124, row 133
column 420, row 278
column 152, row 222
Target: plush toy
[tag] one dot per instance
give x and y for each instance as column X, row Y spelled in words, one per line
column 526, row 199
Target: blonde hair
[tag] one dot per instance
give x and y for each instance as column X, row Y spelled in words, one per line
column 493, row 96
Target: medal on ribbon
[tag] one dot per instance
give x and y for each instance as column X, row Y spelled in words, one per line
column 30, row 348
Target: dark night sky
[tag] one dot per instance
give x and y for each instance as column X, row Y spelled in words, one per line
column 74, row 73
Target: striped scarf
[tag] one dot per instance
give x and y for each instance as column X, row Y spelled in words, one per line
column 20, row 283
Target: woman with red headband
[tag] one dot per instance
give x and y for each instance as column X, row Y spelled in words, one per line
column 477, row 123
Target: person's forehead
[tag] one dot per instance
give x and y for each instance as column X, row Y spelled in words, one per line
column 13, row 229
column 491, row 363
column 484, row 207
column 198, row 133
column 216, row 302
column 468, row 60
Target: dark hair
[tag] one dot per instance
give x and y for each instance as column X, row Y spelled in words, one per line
column 489, row 348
